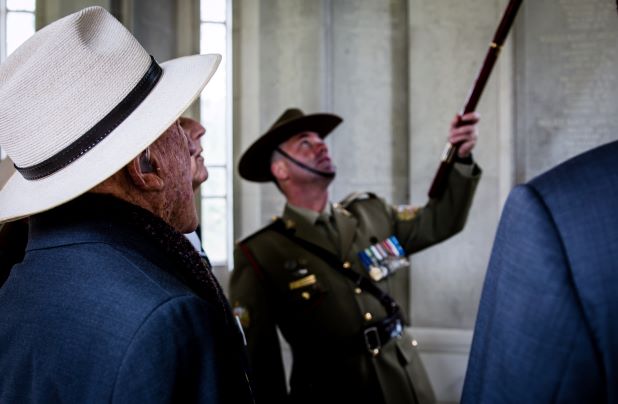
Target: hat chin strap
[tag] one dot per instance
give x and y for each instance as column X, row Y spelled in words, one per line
column 305, row 167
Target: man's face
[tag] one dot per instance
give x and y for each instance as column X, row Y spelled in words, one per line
column 175, row 169
column 308, row 148
column 194, row 131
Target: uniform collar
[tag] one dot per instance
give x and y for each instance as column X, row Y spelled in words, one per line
column 311, row 216
column 303, row 221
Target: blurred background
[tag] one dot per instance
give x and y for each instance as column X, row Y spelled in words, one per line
column 397, row 71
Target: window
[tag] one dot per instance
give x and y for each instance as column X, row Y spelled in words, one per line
column 215, row 113
column 16, row 25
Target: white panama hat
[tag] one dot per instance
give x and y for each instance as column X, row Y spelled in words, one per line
column 78, row 101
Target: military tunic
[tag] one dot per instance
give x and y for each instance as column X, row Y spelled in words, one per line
column 321, row 313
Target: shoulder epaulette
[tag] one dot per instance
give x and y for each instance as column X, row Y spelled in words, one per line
column 356, row 196
column 275, row 222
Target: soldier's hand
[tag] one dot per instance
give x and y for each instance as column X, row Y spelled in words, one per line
column 464, row 132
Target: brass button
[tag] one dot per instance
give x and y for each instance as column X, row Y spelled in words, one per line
column 358, row 291
column 305, row 295
column 414, row 342
column 368, row 316
column 347, row 265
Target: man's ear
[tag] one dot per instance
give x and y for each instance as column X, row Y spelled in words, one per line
column 145, row 164
column 279, row 170
column 144, row 172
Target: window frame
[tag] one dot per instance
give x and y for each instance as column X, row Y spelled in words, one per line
column 4, row 13
column 3, row 33
column 228, row 164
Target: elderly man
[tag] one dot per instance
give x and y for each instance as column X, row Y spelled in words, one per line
column 111, row 303
column 324, row 272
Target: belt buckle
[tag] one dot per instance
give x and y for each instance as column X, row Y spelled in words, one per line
column 372, row 340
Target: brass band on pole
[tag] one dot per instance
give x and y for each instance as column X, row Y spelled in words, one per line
column 449, row 153
column 496, row 47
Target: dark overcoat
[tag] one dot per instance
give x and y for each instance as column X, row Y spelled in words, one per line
column 97, row 313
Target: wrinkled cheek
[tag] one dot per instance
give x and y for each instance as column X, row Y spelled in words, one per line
column 181, row 204
column 184, row 190
column 186, row 172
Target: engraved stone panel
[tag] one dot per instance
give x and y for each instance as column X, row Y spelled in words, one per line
column 566, row 91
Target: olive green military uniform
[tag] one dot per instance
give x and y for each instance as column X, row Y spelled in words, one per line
column 321, row 313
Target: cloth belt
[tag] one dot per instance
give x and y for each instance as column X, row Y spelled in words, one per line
column 380, row 333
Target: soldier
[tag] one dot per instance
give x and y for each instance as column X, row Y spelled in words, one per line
column 323, row 272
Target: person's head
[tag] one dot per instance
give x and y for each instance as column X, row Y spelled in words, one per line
column 105, row 116
column 302, row 160
column 159, row 179
column 194, row 131
column 292, row 152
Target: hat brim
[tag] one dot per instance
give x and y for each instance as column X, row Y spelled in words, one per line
column 254, row 165
column 180, row 84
